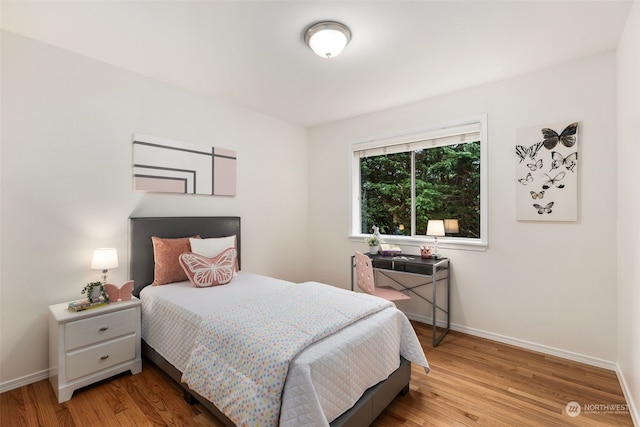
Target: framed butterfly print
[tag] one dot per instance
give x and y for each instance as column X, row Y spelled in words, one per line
column 546, row 182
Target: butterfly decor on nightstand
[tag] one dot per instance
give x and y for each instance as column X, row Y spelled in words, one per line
column 547, row 173
column 122, row 293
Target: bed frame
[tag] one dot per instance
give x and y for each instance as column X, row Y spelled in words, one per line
column 141, row 266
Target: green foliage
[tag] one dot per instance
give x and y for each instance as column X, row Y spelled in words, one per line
column 447, row 185
column 88, row 290
column 372, row 240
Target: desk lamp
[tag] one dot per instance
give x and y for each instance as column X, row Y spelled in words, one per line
column 435, row 228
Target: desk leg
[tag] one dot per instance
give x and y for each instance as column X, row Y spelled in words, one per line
column 436, row 338
column 353, row 266
column 434, row 306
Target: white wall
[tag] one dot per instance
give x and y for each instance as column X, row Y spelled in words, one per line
column 67, row 123
column 628, row 67
column 548, row 284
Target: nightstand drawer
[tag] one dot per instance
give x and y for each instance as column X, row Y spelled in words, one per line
column 99, row 357
column 99, row 328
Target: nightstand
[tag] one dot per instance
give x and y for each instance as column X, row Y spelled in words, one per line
column 91, row 345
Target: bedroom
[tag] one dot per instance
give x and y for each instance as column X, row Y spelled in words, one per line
column 67, row 121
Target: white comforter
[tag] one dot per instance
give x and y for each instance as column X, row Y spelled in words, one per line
column 323, row 381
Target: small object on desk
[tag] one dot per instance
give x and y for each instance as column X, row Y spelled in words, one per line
column 425, row 252
column 390, row 250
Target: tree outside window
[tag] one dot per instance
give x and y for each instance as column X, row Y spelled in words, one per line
column 447, row 185
column 403, row 182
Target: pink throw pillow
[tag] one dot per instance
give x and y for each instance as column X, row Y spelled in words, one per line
column 165, row 255
column 204, row 272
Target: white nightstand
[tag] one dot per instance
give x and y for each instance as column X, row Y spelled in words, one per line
column 91, row 345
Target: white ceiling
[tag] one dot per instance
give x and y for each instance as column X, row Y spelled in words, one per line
column 252, row 53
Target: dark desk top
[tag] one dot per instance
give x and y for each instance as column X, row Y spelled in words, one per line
column 414, row 259
column 408, row 263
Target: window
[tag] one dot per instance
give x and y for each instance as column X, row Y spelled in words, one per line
column 401, row 182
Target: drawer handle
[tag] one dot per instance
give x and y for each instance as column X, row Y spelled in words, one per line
column 105, row 357
column 104, row 328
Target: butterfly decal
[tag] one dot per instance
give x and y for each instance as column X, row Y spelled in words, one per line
column 544, row 209
column 558, row 161
column 526, row 180
column 204, row 272
column 122, row 293
column 535, row 166
column 535, row 195
column 567, row 137
column 555, row 181
column 522, row 152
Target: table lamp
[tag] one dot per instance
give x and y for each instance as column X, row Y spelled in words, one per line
column 104, row 259
column 435, row 228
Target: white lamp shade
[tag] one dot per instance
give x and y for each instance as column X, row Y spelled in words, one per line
column 435, row 227
column 451, row 226
column 327, row 39
column 104, row 259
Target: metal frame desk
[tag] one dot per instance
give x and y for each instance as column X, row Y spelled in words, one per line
column 434, row 270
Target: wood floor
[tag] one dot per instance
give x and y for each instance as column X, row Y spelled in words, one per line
column 473, row 381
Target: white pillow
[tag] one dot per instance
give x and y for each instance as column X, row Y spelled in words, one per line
column 213, row 246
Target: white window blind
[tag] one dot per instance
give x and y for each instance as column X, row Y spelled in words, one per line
column 432, row 138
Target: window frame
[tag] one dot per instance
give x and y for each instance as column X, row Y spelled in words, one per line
column 413, row 136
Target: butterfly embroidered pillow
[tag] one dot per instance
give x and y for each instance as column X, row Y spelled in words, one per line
column 204, row 272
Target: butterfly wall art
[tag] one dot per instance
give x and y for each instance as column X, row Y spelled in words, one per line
column 547, row 172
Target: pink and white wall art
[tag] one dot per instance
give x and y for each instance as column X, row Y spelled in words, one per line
column 165, row 166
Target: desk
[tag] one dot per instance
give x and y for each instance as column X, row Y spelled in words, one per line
column 435, row 271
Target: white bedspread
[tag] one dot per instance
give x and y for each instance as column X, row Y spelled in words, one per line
column 323, row 381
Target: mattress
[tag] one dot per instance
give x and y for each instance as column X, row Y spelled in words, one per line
column 323, row 381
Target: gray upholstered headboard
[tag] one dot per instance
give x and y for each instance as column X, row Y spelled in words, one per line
column 141, row 263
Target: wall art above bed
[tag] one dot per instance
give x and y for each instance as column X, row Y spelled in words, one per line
column 547, row 173
column 165, row 166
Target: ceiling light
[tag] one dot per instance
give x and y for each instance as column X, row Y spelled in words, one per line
column 328, row 38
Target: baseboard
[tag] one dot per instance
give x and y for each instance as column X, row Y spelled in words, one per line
column 633, row 409
column 576, row 357
column 22, row 381
column 427, row 320
column 569, row 355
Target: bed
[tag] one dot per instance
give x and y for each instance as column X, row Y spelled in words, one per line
column 369, row 402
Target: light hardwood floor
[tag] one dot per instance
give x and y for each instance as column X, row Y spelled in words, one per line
column 473, row 381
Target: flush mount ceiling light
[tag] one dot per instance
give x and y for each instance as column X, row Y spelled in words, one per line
column 327, row 38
